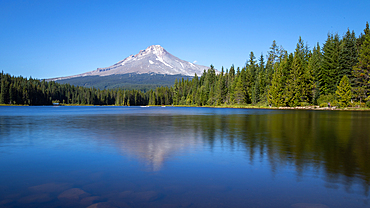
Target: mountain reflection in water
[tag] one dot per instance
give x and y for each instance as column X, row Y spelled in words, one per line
column 197, row 157
column 337, row 143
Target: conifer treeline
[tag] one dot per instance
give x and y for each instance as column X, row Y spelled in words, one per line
column 23, row 91
column 339, row 73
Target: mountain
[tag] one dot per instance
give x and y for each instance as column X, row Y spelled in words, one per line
column 150, row 68
column 152, row 60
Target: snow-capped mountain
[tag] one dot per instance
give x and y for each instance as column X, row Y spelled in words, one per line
column 153, row 60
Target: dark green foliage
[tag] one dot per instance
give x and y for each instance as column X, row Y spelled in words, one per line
column 239, row 93
column 361, row 71
column 275, row 95
column 221, row 88
column 348, row 55
column 23, row 91
column 251, row 74
column 344, row 92
column 361, row 39
column 329, row 70
column 325, row 99
column 313, row 67
column 142, row 82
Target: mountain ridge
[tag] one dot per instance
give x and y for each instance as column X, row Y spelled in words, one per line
column 153, row 60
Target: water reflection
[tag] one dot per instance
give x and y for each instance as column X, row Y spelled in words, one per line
column 333, row 143
column 192, row 157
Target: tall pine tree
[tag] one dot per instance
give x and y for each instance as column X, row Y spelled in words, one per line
column 362, row 69
column 329, row 71
column 347, row 55
column 344, row 92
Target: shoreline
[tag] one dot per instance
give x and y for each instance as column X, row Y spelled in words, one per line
column 316, row 108
column 288, row 108
column 274, row 108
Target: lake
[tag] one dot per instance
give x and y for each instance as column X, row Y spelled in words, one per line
column 99, row 156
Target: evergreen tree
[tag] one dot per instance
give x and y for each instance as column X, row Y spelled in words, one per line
column 211, row 97
column 314, row 65
column 293, row 91
column 4, row 91
column 252, row 72
column 362, row 69
column 194, row 84
column 362, row 36
column 152, row 98
column 245, row 85
column 231, row 85
column 176, row 95
column 256, row 92
column 261, row 79
column 275, row 95
column 344, row 92
column 222, row 89
column 347, row 54
column 299, row 83
column 239, row 91
column 273, row 54
column 328, row 74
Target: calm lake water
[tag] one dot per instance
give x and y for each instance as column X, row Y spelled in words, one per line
column 183, row 157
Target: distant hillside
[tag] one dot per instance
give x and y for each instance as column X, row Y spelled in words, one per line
column 142, row 82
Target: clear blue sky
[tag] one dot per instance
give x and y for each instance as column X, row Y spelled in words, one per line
column 53, row 38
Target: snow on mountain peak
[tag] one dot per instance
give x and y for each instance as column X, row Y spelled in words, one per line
column 154, row 59
column 155, row 49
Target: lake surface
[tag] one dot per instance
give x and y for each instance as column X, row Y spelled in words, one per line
column 183, row 157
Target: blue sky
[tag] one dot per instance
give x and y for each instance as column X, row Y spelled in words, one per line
column 53, row 38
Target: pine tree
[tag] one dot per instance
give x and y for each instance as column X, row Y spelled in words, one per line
column 256, row 93
column 194, row 84
column 307, row 84
column 152, row 98
column 273, row 54
column 347, row 55
column 4, row 93
column 299, row 83
column 239, row 93
column 328, row 74
column 176, row 96
column 221, row 88
column 362, row 69
column 245, row 85
column 361, row 38
column 251, row 76
column 314, row 65
column 211, row 97
column 275, row 92
column 293, row 91
column 231, row 87
column 261, row 79
column 344, row 92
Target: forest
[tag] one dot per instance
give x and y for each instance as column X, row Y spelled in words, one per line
column 338, row 72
